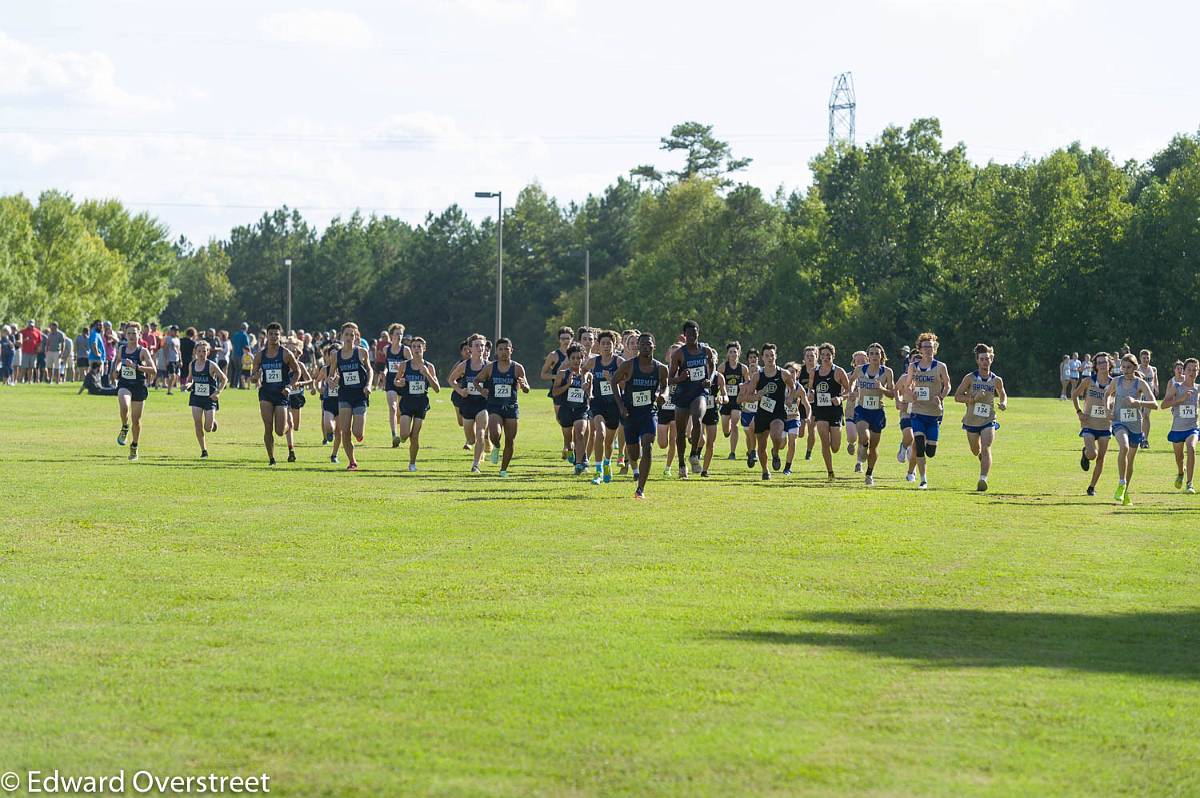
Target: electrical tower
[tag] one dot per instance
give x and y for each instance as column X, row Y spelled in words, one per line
column 841, row 110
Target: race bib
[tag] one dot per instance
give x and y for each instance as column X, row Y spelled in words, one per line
column 351, row 377
column 669, row 406
column 502, row 391
column 731, row 390
column 870, row 402
column 697, row 373
column 750, row 407
column 200, row 388
column 575, row 396
column 332, row 392
column 1187, row 411
column 1099, row 411
column 606, row 388
column 273, row 375
column 824, row 400
column 392, row 366
column 416, row 387
column 472, row 389
column 982, row 409
column 128, row 372
column 921, row 392
column 1129, row 415
column 767, row 403
column 641, row 398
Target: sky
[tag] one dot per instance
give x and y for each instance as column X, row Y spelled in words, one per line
column 207, row 115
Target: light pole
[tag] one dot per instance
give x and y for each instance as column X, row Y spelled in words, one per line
column 288, row 262
column 499, row 195
column 587, row 286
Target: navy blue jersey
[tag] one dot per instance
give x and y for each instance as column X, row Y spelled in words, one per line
column 353, row 376
column 394, row 362
column 601, row 380
column 574, row 397
column 695, row 365
column 274, row 370
column 130, row 375
column 203, row 383
column 502, row 385
column 638, row 392
column 415, row 386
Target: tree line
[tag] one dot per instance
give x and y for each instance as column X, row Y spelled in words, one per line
column 1069, row 252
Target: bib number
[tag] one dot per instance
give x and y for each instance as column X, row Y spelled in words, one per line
column 392, row 364
column 668, row 406
column 767, row 404
column 870, row 402
column 1187, row 411
column 200, row 388
column 824, row 400
column 128, row 372
column 351, row 377
column 273, row 375
column 1099, row 411
column 921, row 393
column 731, row 390
column 472, row 389
column 1129, row 415
column 332, row 392
column 982, row 409
column 697, row 373
column 750, row 407
column 502, row 391
column 416, row 387
column 641, row 398
column 605, row 388
column 575, row 396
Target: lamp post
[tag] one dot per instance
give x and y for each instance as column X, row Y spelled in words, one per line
column 587, row 286
column 288, row 262
column 499, row 252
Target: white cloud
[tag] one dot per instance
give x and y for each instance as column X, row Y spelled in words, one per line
column 28, row 72
column 516, row 9
column 321, row 27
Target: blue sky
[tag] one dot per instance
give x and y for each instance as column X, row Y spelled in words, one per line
column 208, row 114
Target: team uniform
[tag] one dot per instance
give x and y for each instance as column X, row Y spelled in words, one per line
column 825, row 388
column 203, row 386
column 869, row 407
column 502, row 392
column 733, row 380
column 352, row 394
column 414, row 401
column 603, row 405
column 473, row 403
column 1183, row 416
column 1097, row 422
column 638, row 398
column 666, row 413
column 130, row 377
column 1127, row 416
column 695, row 365
column 574, row 406
column 771, row 406
column 274, row 382
column 981, row 414
column 925, row 410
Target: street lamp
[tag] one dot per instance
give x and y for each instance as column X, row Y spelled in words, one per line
column 499, row 251
column 288, row 262
column 587, row 287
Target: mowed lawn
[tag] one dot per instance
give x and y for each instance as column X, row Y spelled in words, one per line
column 383, row 633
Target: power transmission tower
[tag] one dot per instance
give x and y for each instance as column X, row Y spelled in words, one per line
column 841, row 109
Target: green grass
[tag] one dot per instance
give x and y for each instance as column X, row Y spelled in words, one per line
column 386, row 633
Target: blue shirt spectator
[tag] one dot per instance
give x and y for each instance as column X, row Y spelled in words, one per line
column 95, row 345
column 241, row 342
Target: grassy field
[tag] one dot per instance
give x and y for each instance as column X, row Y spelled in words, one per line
column 386, row 633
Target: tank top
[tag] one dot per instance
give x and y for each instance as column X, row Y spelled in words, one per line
column 203, row 384
column 870, row 388
column 1124, row 412
column 1183, row 416
column 273, row 369
column 574, row 395
column 353, row 375
column 696, row 366
column 825, row 388
column 414, row 380
column 395, row 361
column 329, row 391
column 733, row 380
column 468, row 379
column 981, row 411
column 926, row 388
column 773, row 388
column 752, row 407
column 670, row 403
column 601, row 376
column 640, row 388
column 502, row 385
column 130, row 374
column 1095, row 407
column 559, row 359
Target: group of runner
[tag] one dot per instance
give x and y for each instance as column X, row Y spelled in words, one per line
column 614, row 399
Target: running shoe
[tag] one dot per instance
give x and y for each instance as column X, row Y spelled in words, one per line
column 704, row 474
column 133, row 451
column 566, row 455
column 122, row 435
column 1091, row 491
column 694, row 461
column 358, row 438
column 352, row 466
column 214, row 429
column 910, row 477
column 923, row 486
column 598, row 479
column 475, row 468
column 328, row 439
column 858, row 468
column 732, row 456
column 466, row 447
column 271, row 462
column 412, row 466
column 495, row 455
column 637, row 494
column 203, row 453
column 1126, row 501
column 570, row 458
column 1084, row 463
column 1179, row 482
column 751, row 459
column 902, row 453
column 766, row 476
column 981, row 485
column 580, row 468
column 787, row 471
column 776, row 463
column 291, row 455
column 850, row 449
column 503, row 472
column 607, row 472
column 666, row 471
column 332, row 459
column 1189, row 488
column 1120, row 492
column 808, row 455
column 395, row 441
column 683, row 472
column 869, row 481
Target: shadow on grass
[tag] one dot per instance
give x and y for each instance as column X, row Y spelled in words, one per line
column 1145, row 643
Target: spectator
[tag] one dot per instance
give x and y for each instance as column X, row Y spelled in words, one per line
column 223, row 350
column 81, row 352
column 241, row 344
column 1064, row 376
column 91, row 383
column 53, row 344
column 8, row 355
column 95, row 346
column 31, row 342
column 187, row 345
column 66, row 364
column 173, row 347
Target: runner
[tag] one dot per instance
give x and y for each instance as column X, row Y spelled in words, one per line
column 329, row 399
column 413, row 379
column 354, row 379
column 499, row 381
column 828, row 385
column 750, row 410
column 1149, row 373
column 735, row 374
column 809, row 356
column 691, row 372
column 1182, row 399
column 574, row 384
column 628, row 349
column 1132, row 394
column 206, row 385
column 134, row 366
column 605, row 416
column 550, row 367
column 712, row 419
column 393, row 354
column 768, row 390
column 857, row 361
column 794, row 418
column 271, row 364
column 295, row 396
column 666, row 418
column 472, row 404
column 641, row 384
column 1095, row 417
column 982, row 391
column 872, row 383
column 464, row 352
column 929, row 384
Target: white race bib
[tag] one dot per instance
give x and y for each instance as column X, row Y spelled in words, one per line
column 1099, row 411
column 416, row 386
column 731, row 390
column 641, row 398
column 668, row 406
column 870, row 402
column 697, row 373
column 200, row 388
column 605, row 388
column 921, row 392
column 1187, row 411
column 351, row 377
column 575, row 396
column 502, row 391
column 750, row 407
column 128, row 372
column 767, row 403
column 393, row 365
column 1129, row 415
column 332, row 392
column 472, row 389
column 824, row 400
column 983, row 409
column 273, row 375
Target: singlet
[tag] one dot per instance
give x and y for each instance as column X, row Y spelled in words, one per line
column 1095, row 406
column 825, row 388
column 601, row 376
column 329, row 391
column 1123, row 412
column 468, row 379
column 752, row 407
column 733, row 381
column 353, row 375
column 640, row 388
column 203, row 384
column 502, row 385
column 414, row 381
column 395, row 361
column 870, row 388
column 574, row 395
column 273, row 370
column 1147, row 373
column 981, row 412
column 1183, row 416
column 130, row 374
column 696, row 366
column 1085, row 370
column 559, row 358
column 927, row 386
column 773, row 388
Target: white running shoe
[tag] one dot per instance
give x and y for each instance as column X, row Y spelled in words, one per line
column 910, row 477
column 923, row 486
column 412, row 466
column 869, row 481
column 902, row 453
